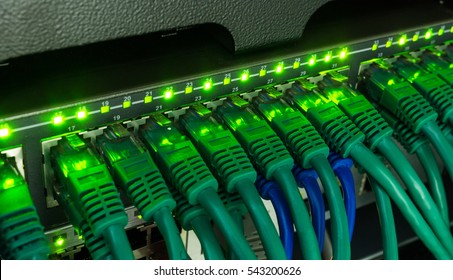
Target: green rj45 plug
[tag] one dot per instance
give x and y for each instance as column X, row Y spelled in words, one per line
column 269, row 155
column 432, row 61
column 232, row 168
column 136, row 173
column 21, row 233
column 310, row 151
column 184, row 169
column 88, row 184
column 345, row 138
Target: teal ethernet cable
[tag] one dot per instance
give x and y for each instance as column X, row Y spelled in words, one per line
column 232, row 168
column 134, row 171
column 385, row 212
column 195, row 218
column 378, row 136
column 419, row 145
column 21, row 233
column 87, row 182
column 309, row 150
column 345, row 138
column 270, row 157
column 184, row 169
column 408, row 105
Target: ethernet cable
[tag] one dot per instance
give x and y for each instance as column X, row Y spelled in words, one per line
column 346, row 139
column 385, row 212
column 378, row 136
column 232, row 168
column 86, row 180
column 419, row 145
column 342, row 168
column 270, row 157
column 269, row 190
column 195, row 218
column 21, row 233
column 432, row 61
column 308, row 179
column 134, row 171
column 184, row 169
column 309, row 150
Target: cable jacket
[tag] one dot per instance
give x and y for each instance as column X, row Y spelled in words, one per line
column 344, row 174
column 385, row 212
column 116, row 238
column 301, row 218
column 263, row 223
column 377, row 170
column 208, row 240
column 429, row 164
column 211, row 202
column 418, row 191
column 338, row 220
column 167, row 227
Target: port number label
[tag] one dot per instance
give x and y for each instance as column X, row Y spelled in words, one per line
column 116, row 118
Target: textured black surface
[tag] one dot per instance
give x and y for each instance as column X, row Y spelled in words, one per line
column 34, row 26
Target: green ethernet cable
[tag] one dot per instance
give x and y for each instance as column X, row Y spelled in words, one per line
column 309, row 150
column 432, row 61
column 195, row 218
column 184, row 169
column 232, row 168
column 435, row 90
column 21, row 233
column 408, row 105
column 345, row 138
column 378, row 136
column 269, row 155
column 134, row 171
column 418, row 144
column 88, row 184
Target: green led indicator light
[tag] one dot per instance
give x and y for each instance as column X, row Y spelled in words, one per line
column 343, row 53
column 279, row 68
column 148, row 99
column 207, row 84
column 312, row 60
column 451, row 29
column 428, row 34
column 189, row 89
column 296, row 64
column 105, row 109
column 374, row 47
column 8, row 183
column 245, row 75
column 441, row 31
column 328, row 57
column 81, row 114
column 415, row 37
column 391, row 82
column 127, row 104
column 402, row 40
column 140, row 217
column 57, row 120
column 262, row 72
column 59, row 241
column 388, row 44
column 168, row 93
column 227, row 80
column 4, row 132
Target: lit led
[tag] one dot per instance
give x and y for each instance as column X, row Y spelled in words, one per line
column 127, row 104
column 296, row 64
column 374, row 47
column 57, row 120
column 105, row 109
column 245, row 75
column 4, row 132
column 262, row 72
column 451, row 29
column 188, row 89
column 279, row 68
column 391, row 82
column 168, row 93
column 227, row 81
column 312, row 60
column 415, row 37
column 328, row 57
column 140, row 217
column 59, row 241
column 81, row 114
column 428, row 34
column 402, row 40
column 343, row 53
column 388, row 44
column 441, row 31
column 207, row 84
column 148, row 99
